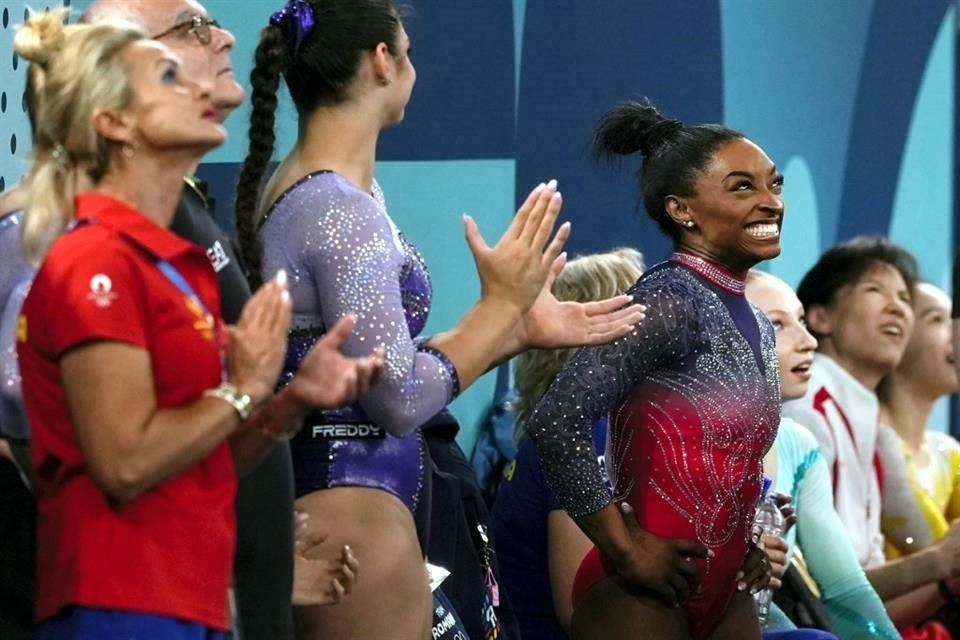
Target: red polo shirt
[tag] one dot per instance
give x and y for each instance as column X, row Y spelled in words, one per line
column 169, row 551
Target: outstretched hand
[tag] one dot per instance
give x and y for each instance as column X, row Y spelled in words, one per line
column 513, row 271
column 550, row 324
column 327, row 379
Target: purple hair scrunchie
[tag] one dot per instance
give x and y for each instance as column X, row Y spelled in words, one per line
column 297, row 21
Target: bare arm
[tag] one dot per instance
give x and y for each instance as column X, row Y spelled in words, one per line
column 131, row 446
column 906, row 574
column 916, row 606
column 512, row 275
column 567, row 544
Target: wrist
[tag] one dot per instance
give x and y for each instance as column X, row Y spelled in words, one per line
column 241, row 402
column 283, row 416
column 504, row 307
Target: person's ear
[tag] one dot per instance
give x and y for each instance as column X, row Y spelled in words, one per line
column 382, row 64
column 115, row 125
column 679, row 211
column 819, row 320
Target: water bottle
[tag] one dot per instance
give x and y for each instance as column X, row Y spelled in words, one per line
column 770, row 521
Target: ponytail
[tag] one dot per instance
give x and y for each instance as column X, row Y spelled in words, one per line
column 673, row 154
column 49, row 207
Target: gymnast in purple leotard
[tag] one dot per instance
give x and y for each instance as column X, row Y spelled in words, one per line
column 352, row 259
column 321, row 216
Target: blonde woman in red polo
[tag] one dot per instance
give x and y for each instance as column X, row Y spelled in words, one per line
column 143, row 404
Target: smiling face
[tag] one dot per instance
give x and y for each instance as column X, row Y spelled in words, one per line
column 168, row 112
column 867, row 324
column 737, row 209
column 795, row 345
column 928, row 361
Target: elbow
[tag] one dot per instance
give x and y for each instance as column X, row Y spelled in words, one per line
column 400, row 419
column 399, row 423
column 121, row 482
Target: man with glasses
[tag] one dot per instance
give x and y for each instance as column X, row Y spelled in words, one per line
column 263, row 566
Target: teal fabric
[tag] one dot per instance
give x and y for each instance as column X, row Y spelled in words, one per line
column 855, row 609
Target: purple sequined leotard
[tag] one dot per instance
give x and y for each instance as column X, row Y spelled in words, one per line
column 344, row 255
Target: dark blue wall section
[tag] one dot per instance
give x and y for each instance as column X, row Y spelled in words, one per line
column 896, row 55
column 463, row 103
column 578, row 62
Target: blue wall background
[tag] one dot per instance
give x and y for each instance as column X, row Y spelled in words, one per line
column 854, row 100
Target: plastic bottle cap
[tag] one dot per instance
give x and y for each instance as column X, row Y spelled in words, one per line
column 767, row 483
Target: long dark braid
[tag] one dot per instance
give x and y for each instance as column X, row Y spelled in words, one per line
column 318, row 73
column 269, row 61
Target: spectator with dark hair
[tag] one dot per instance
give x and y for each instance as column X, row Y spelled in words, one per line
column 921, row 466
column 859, row 305
column 797, row 469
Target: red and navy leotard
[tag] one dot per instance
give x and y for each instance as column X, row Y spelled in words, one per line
column 694, row 398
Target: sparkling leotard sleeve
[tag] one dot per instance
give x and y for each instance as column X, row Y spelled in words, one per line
column 345, row 256
column 595, row 380
column 855, row 609
column 15, row 274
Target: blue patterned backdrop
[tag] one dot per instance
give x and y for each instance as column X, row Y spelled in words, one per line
column 854, row 100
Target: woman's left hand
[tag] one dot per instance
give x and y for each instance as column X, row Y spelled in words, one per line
column 317, row 581
column 756, row 573
column 551, row 324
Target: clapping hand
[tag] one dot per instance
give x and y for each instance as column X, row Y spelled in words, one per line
column 550, row 323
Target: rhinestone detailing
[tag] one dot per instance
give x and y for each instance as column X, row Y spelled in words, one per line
column 344, row 255
column 712, row 272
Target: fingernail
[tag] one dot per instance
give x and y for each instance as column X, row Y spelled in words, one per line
column 741, row 586
column 540, row 187
column 282, row 277
column 564, row 255
column 553, row 183
column 347, row 548
column 711, row 554
column 285, row 295
column 753, row 590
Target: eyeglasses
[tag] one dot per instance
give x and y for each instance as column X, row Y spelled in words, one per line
column 198, row 26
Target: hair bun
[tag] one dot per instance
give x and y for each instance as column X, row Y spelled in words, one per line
column 41, row 37
column 634, row 126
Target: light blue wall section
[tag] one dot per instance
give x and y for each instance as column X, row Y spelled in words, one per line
column 801, row 223
column 427, row 200
column 922, row 212
column 791, row 72
column 14, row 127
